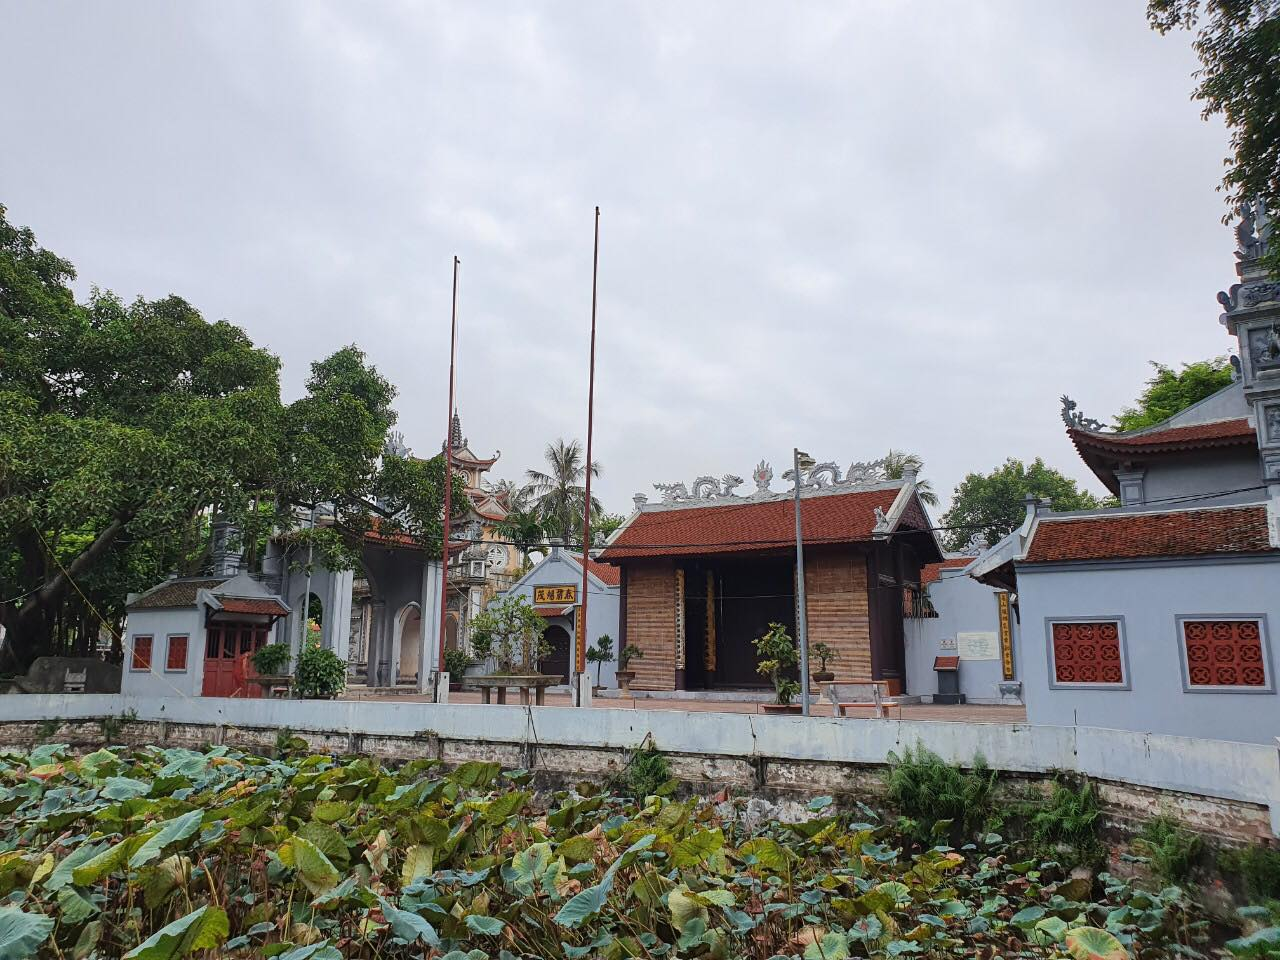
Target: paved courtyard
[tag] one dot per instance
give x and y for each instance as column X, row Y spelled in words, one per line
column 968, row 713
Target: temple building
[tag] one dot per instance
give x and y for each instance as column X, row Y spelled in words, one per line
column 1157, row 615
column 705, row 571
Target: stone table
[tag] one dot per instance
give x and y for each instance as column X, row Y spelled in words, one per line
column 538, row 683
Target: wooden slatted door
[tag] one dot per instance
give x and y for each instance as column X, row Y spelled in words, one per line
column 227, row 649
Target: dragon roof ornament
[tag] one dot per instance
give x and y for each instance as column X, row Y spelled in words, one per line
column 1075, row 420
column 821, row 476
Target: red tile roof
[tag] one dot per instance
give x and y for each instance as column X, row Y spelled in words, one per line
column 399, row 539
column 258, row 605
column 1220, row 433
column 608, row 573
column 1129, row 536
column 930, row 571
column 546, row 612
column 749, row 527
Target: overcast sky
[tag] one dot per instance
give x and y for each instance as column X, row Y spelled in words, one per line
column 843, row 226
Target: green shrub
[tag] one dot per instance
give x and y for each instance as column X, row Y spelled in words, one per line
column 320, row 673
column 648, row 772
column 271, row 660
column 927, row 789
column 456, row 662
column 1170, row 847
column 1257, row 867
column 1071, row 817
column 780, row 654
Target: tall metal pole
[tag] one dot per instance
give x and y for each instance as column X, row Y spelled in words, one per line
column 580, row 660
column 448, row 474
column 802, row 613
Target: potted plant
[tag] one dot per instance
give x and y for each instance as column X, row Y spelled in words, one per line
column 456, row 662
column 271, row 661
column 780, row 655
column 624, row 672
column 320, row 674
column 511, row 632
column 600, row 654
column 823, row 653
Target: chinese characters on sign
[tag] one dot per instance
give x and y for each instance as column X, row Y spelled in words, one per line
column 555, row 594
column 1006, row 636
column 976, row 645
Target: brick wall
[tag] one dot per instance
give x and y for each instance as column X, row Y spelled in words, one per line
column 836, row 597
column 651, row 623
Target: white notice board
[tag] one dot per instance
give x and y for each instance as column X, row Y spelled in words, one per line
column 978, row 645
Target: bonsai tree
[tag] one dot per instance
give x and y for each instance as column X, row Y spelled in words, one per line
column 629, row 652
column 511, row 632
column 779, row 653
column 271, row 660
column 823, row 653
column 320, row 673
column 600, row 654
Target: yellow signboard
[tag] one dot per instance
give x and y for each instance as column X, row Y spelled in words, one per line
column 555, row 594
column 1006, row 636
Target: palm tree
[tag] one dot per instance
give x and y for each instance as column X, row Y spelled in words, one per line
column 513, row 496
column 558, row 495
column 523, row 527
column 896, row 463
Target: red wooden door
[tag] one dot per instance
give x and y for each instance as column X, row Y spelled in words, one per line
column 227, row 649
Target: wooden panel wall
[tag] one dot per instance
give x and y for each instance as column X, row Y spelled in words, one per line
column 836, row 588
column 651, row 622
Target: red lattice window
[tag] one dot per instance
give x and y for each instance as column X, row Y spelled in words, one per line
column 1224, row 653
column 1087, row 652
column 141, row 657
column 176, row 658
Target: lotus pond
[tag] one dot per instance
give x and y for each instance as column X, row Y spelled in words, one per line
column 158, row 853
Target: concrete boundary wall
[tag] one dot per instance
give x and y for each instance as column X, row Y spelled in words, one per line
column 710, row 746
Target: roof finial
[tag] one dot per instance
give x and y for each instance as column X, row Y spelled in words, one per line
column 456, row 439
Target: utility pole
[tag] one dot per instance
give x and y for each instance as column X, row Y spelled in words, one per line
column 805, row 462
column 580, row 622
column 448, row 482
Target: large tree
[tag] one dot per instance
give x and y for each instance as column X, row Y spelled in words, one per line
column 896, row 463
column 559, row 493
column 1169, row 391
column 991, row 505
column 125, row 428
column 1238, row 43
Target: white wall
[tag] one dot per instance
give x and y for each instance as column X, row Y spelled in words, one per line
column 1149, row 597
column 963, row 605
column 160, row 624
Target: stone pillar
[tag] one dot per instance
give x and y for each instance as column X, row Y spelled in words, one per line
column 337, row 611
column 378, row 647
column 430, row 632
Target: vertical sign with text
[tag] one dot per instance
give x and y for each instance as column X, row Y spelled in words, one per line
column 1006, row 635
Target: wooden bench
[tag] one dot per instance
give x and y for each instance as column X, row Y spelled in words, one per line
column 864, row 694
column 538, row 684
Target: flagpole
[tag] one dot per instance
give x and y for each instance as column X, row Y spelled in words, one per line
column 448, row 478
column 580, row 661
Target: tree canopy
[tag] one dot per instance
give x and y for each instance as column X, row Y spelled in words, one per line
column 1238, row 43
column 991, row 505
column 1170, row 391
column 559, row 493
column 125, row 427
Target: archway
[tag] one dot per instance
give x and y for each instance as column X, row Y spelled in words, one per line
column 556, row 663
column 409, row 640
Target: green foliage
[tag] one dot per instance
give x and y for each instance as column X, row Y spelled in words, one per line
column 928, row 790
column 1170, row 391
column 604, row 524
column 319, row 672
column 123, row 427
column 600, row 653
column 1258, row 867
column 456, row 662
column 627, row 654
column 316, row 858
column 510, row 631
column 648, row 771
column 1170, row 847
column 824, row 654
column 1072, row 818
column 271, row 660
column 780, row 655
column 559, row 493
column 896, row 463
column 993, row 504
column 1238, row 43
